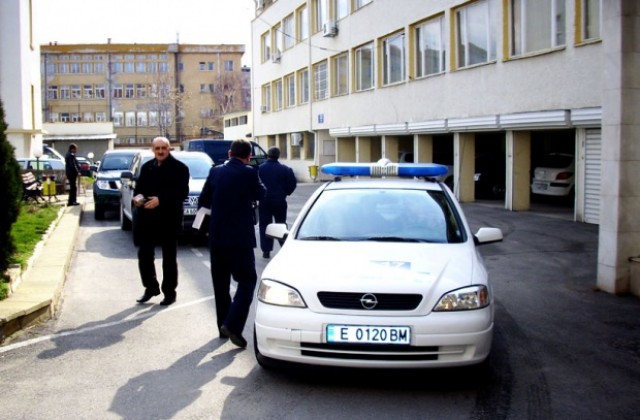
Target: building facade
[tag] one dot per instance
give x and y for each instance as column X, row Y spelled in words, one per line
column 452, row 81
column 175, row 90
column 20, row 77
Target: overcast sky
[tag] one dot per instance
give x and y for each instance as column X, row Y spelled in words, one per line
column 145, row 21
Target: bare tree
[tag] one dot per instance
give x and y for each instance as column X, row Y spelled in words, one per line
column 168, row 102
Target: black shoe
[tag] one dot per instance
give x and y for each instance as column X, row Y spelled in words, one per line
column 146, row 296
column 266, row 255
column 168, row 301
column 73, row 204
column 236, row 339
column 221, row 334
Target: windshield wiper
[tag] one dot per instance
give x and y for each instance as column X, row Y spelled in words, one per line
column 319, row 238
column 391, row 239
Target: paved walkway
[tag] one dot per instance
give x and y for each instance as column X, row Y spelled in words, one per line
column 38, row 293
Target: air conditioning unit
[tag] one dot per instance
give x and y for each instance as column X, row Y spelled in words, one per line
column 260, row 4
column 329, row 29
column 296, row 139
column 263, row 109
column 275, row 57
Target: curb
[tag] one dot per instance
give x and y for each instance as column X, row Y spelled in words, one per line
column 38, row 296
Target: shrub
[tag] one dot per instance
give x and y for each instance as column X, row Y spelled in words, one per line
column 10, row 193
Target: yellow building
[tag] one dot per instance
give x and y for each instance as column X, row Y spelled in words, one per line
column 146, row 90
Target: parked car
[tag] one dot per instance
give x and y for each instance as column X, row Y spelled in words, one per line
column 400, row 283
column 106, row 186
column 218, row 150
column 85, row 166
column 554, row 175
column 42, row 164
column 199, row 164
column 51, row 153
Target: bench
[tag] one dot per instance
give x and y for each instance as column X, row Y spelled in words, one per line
column 31, row 188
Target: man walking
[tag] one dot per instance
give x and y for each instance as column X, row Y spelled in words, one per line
column 229, row 192
column 72, row 170
column 159, row 195
column 280, row 183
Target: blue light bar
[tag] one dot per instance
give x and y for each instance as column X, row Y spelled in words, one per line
column 383, row 168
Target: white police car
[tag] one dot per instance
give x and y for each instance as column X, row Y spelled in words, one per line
column 381, row 271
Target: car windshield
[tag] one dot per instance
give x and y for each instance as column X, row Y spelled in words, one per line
column 116, row 162
column 198, row 168
column 382, row 215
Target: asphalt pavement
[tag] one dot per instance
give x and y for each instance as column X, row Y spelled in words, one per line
column 548, row 309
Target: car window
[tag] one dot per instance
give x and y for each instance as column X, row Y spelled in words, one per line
column 115, row 162
column 198, row 168
column 382, row 215
column 556, row 161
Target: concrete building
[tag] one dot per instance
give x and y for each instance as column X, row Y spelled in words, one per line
column 146, row 90
column 451, row 81
column 20, row 77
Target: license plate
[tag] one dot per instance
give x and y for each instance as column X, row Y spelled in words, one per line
column 190, row 211
column 542, row 185
column 368, row 334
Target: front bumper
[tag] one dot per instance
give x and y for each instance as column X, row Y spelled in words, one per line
column 437, row 340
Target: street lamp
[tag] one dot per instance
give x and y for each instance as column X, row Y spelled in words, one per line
column 38, row 155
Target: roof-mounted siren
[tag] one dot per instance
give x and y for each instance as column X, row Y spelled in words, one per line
column 329, row 29
column 275, row 57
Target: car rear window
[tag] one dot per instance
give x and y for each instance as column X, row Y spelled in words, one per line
column 556, row 161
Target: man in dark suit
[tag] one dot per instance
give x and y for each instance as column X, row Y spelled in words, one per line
column 229, row 192
column 160, row 191
column 72, row 170
column 280, row 183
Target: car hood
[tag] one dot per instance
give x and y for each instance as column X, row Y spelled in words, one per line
column 376, row 267
column 196, row 185
column 115, row 174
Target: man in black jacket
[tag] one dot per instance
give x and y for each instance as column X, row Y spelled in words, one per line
column 280, row 183
column 160, row 192
column 229, row 192
column 72, row 170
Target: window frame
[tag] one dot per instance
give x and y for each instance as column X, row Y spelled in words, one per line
column 303, row 86
column 359, row 78
column 393, row 66
column 423, row 33
column 290, row 90
column 340, row 74
column 525, row 41
column 490, row 36
column 320, row 80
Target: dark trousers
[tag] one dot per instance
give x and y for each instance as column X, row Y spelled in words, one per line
column 73, row 189
column 146, row 265
column 241, row 264
column 269, row 211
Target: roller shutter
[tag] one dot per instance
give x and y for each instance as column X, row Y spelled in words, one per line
column 593, row 175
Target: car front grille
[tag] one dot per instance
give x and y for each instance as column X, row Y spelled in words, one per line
column 369, row 352
column 370, row 301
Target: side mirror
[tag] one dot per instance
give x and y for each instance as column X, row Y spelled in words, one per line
column 277, row 231
column 487, row 235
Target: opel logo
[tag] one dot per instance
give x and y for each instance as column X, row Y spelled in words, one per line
column 369, row 301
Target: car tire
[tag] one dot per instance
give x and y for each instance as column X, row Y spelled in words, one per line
column 125, row 224
column 99, row 212
column 264, row 361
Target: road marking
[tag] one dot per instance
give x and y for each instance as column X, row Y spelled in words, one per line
column 147, row 314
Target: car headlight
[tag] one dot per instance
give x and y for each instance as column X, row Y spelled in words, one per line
column 275, row 293
column 102, row 184
column 467, row 298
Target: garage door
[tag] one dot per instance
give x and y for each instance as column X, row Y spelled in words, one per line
column 593, row 171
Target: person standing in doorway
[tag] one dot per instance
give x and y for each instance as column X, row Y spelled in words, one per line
column 72, row 170
column 280, row 182
column 159, row 194
column 229, row 192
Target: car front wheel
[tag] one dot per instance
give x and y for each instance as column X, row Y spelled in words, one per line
column 125, row 224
